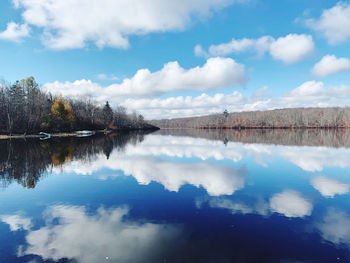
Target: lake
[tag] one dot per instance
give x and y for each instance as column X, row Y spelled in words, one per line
column 177, row 196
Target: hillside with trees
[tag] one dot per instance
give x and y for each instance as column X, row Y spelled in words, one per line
column 272, row 119
column 27, row 109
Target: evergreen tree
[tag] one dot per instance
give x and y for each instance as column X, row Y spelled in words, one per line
column 107, row 114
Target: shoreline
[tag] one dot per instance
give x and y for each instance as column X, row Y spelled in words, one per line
column 33, row 136
column 63, row 134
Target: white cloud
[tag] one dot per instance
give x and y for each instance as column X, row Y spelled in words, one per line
column 105, row 77
column 334, row 23
column 78, row 88
column 291, row 204
column 317, row 94
column 261, row 46
column 16, row 222
column 65, row 25
column 70, row 232
column 330, row 65
column 292, row 48
column 185, row 106
column 335, row 227
column 207, row 77
column 289, row 49
column 329, row 187
column 308, row 94
column 200, row 52
column 231, row 47
column 15, row 32
column 216, row 73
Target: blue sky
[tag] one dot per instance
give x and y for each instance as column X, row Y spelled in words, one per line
column 251, row 54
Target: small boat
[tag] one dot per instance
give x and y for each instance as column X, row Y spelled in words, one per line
column 84, row 133
column 45, row 136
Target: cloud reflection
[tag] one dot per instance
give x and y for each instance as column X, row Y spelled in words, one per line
column 308, row 158
column 156, row 159
column 70, row 232
column 215, row 179
column 260, row 207
column 291, row 204
column 288, row 203
column 16, row 222
column 335, row 227
column 329, row 187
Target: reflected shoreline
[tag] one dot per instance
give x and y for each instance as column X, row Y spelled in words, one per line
column 298, row 137
column 26, row 161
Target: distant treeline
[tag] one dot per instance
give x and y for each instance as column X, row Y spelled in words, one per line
column 281, row 118
column 25, row 108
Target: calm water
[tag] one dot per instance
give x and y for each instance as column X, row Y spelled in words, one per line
column 177, row 196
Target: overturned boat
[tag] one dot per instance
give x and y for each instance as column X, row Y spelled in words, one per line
column 84, row 133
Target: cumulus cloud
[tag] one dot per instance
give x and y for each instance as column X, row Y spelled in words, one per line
column 216, row 73
column 16, row 222
column 319, row 94
column 64, row 24
column 260, row 45
column 330, row 65
column 308, row 94
column 15, row 32
column 334, row 23
column 78, row 88
column 289, row 49
column 128, row 92
column 70, row 232
column 329, row 187
column 291, row 204
column 292, row 48
column 185, row 106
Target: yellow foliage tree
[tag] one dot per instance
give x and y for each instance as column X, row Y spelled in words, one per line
column 63, row 112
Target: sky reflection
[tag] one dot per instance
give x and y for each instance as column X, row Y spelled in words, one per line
column 71, row 232
column 175, row 199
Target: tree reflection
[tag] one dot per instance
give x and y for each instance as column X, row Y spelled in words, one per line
column 26, row 161
column 298, row 137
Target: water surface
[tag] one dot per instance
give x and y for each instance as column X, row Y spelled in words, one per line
column 177, row 196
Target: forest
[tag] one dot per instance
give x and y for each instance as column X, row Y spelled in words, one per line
column 281, row 118
column 25, row 108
